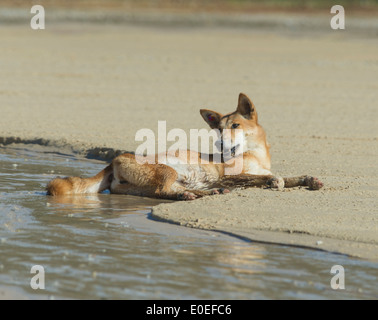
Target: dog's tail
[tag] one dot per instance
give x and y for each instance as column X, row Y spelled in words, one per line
column 76, row 185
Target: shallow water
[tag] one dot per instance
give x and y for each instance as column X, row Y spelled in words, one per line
column 106, row 247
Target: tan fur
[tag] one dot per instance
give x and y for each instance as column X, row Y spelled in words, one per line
column 189, row 181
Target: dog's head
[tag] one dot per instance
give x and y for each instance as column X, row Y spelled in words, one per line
column 239, row 131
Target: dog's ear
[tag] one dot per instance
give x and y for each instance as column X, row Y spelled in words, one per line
column 246, row 108
column 211, row 117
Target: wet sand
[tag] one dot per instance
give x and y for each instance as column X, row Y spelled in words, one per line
column 88, row 88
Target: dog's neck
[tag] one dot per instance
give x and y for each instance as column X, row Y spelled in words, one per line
column 259, row 150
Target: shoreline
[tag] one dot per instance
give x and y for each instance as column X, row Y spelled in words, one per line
column 62, row 146
column 295, row 239
column 160, row 213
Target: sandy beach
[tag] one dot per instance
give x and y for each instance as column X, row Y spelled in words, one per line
column 87, row 88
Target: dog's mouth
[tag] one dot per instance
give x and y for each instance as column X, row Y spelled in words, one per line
column 227, row 152
column 230, row 152
column 233, row 150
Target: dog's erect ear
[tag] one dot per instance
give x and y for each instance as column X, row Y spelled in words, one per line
column 246, row 108
column 211, row 117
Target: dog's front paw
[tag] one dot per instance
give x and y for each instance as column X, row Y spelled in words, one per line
column 220, row 191
column 313, row 183
column 277, row 183
column 186, row 196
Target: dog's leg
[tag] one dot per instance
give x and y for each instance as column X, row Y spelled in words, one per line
column 249, row 180
column 150, row 180
column 312, row 183
column 194, row 194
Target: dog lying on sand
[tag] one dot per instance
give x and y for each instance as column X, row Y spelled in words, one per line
column 180, row 180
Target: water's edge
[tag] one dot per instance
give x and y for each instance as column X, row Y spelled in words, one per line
column 82, row 152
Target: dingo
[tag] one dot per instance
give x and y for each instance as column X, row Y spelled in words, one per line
column 183, row 181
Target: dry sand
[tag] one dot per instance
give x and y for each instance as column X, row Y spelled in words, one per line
column 84, row 87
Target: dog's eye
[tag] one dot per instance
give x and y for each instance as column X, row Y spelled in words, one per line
column 235, row 125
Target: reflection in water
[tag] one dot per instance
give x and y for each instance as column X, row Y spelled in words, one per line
column 240, row 258
column 103, row 201
column 67, row 203
column 104, row 246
